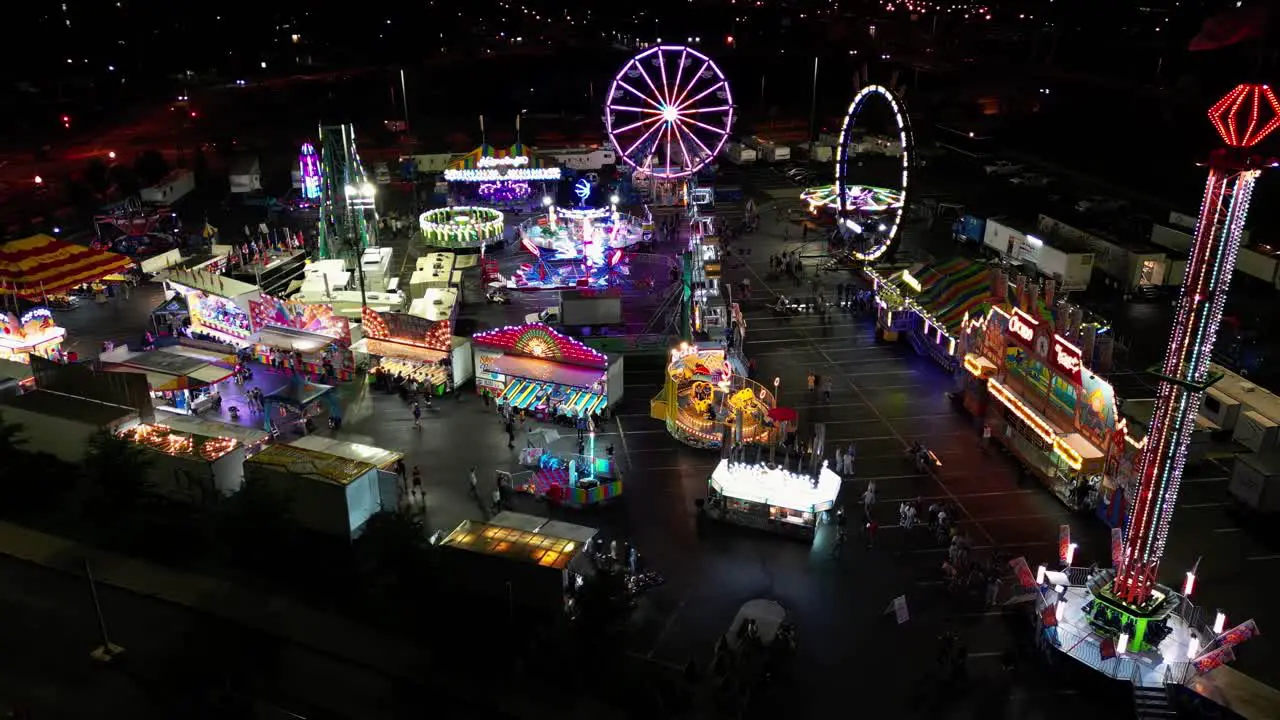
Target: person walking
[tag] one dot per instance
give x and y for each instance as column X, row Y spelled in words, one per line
column 812, row 380
column 869, row 499
column 417, row 414
column 511, row 433
column 474, row 482
column 826, row 389
column 872, row 527
column 416, row 489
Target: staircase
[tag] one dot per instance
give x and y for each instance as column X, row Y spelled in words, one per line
column 1151, row 703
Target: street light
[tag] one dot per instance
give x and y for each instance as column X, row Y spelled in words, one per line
column 39, row 180
column 112, row 154
column 546, row 201
column 614, row 199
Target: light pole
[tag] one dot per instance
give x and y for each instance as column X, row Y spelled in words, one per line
column 777, row 402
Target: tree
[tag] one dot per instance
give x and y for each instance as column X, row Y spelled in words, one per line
column 393, row 561
column 256, row 524
column 125, row 180
column 150, row 167
column 116, row 473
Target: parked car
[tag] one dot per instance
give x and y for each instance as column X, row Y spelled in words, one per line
column 550, row 316
column 1099, row 204
column 1034, row 180
column 1002, row 167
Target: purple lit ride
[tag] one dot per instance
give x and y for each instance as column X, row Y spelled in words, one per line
column 500, row 191
column 669, row 111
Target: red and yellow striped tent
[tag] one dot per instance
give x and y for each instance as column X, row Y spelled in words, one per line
column 472, row 159
column 41, row 264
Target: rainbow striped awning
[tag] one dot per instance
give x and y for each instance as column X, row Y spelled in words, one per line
column 472, row 159
column 40, row 264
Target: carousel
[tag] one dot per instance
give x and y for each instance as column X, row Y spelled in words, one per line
column 707, row 396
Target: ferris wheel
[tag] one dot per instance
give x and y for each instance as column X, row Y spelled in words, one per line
column 872, row 234
column 669, row 111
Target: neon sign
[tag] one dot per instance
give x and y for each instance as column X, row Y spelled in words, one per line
column 682, row 352
column 494, row 174
column 582, row 189
column 1023, row 326
column 513, row 161
column 309, row 170
column 40, row 313
column 1066, row 359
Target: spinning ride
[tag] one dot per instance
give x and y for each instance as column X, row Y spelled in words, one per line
column 582, row 233
column 461, row 227
column 870, row 233
column 870, row 201
column 707, row 391
column 668, row 113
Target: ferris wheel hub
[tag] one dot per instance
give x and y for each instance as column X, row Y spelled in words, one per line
column 670, row 114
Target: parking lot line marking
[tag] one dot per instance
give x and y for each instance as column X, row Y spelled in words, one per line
column 1261, row 558
column 1226, row 530
column 1205, row 480
column 622, row 438
column 1194, row 506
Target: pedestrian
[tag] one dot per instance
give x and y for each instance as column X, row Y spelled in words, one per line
column 417, row 414
column 872, row 527
column 812, row 380
column 826, row 389
column 993, row 590
column 986, row 436
column 511, row 433
column 633, row 559
column 497, row 500
column 869, row 498
column 416, row 489
column 849, row 454
column 839, row 461
column 839, row 294
column 485, row 394
column 474, row 481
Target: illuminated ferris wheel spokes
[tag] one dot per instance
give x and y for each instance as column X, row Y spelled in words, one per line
column 869, row 244
column 669, row 123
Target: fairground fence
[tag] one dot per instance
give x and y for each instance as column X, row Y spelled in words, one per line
column 1086, row 647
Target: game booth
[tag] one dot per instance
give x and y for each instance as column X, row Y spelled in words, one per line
column 1036, row 392
column 218, row 306
column 551, row 377
column 928, row 305
column 313, row 331
column 575, row 480
column 34, row 333
column 708, row 397
column 417, row 348
column 768, row 497
column 501, row 177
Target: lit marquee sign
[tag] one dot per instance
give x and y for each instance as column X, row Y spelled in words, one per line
column 1066, row 360
column 1023, row 327
column 682, row 352
column 496, row 169
column 34, row 314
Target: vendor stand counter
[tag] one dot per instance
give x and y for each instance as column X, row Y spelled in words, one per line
column 272, row 341
column 771, row 498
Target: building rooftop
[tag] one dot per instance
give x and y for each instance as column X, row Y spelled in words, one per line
column 1253, row 397
column 311, row 464
column 70, row 407
column 177, row 443
column 515, row 543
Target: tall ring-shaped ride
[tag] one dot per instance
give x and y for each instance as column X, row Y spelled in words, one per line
column 669, row 111
column 870, row 243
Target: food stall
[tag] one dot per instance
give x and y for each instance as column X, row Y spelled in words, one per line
column 532, row 368
column 518, row 558
column 189, row 466
column 34, row 333
column 314, row 332
column 218, row 305
column 1040, row 399
column 707, row 393
column 417, row 348
column 768, row 497
column 178, row 381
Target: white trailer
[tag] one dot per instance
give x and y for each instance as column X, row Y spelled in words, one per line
column 587, row 158
column 172, row 188
column 776, row 153
column 738, row 154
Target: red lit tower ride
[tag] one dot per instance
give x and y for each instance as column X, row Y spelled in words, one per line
column 1243, row 118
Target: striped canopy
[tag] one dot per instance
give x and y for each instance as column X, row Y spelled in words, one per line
column 40, row 264
column 472, row 159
